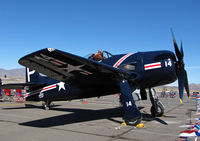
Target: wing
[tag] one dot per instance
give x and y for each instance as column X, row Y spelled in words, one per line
column 72, row 69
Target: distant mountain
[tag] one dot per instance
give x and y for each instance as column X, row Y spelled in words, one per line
column 195, row 87
column 17, row 73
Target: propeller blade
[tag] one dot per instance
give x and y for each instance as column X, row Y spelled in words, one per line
column 180, row 71
column 187, row 85
column 182, row 49
column 178, row 53
column 181, row 83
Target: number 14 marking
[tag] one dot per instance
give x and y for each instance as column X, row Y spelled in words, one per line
column 168, row 63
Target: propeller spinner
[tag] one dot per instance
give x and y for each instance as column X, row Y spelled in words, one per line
column 180, row 70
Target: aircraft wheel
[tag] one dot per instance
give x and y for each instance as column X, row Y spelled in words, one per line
column 46, row 105
column 159, row 112
column 133, row 122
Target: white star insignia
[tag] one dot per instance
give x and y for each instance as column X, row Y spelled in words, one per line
column 61, row 85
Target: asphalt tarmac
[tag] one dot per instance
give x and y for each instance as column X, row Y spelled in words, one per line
column 95, row 121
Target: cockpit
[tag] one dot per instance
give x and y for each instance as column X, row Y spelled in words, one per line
column 104, row 55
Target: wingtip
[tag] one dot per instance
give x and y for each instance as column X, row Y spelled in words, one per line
column 50, row 49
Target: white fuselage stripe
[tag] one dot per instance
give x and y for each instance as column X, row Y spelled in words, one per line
column 121, row 60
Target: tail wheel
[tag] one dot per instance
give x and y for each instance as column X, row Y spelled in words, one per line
column 159, row 111
column 46, row 105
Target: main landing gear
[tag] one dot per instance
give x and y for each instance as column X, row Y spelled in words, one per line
column 157, row 109
column 132, row 114
column 47, row 105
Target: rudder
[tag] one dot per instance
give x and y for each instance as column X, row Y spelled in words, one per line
column 32, row 76
column 36, row 77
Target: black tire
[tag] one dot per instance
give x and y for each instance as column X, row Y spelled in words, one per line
column 160, row 111
column 133, row 122
column 45, row 107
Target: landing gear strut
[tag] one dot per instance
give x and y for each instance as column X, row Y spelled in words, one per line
column 132, row 115
column 157, row 109
column 46, row 105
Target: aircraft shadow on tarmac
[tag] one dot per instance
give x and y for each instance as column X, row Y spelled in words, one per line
column 83, row 115
column 27, row 106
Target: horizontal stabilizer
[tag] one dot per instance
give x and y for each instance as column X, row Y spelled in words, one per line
column 22, row 85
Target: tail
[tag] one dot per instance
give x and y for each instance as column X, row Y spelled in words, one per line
column 35, row 77
column 38, row 81
column 32, row 76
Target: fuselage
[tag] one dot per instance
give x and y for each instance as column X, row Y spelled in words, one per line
column 154, row 68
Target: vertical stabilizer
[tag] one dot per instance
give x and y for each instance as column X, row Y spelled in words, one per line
column 32, row 76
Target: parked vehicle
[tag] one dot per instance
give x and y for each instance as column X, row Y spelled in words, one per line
column 194, row 94
column 172, row 94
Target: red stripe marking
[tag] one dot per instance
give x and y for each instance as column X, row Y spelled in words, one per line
column 85, row 73
column 58, row 62
column 48, row 87
column 188, row 131
column 156, row 65
column 122, row 59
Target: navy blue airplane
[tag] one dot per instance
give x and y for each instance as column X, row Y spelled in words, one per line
column 54, row 75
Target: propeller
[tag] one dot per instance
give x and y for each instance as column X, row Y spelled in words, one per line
column 180, row 69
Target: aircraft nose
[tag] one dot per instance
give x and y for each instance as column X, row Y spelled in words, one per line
column 173, row 57
column 165, row 55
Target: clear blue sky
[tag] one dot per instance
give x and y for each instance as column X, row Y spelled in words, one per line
column 84, row 26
